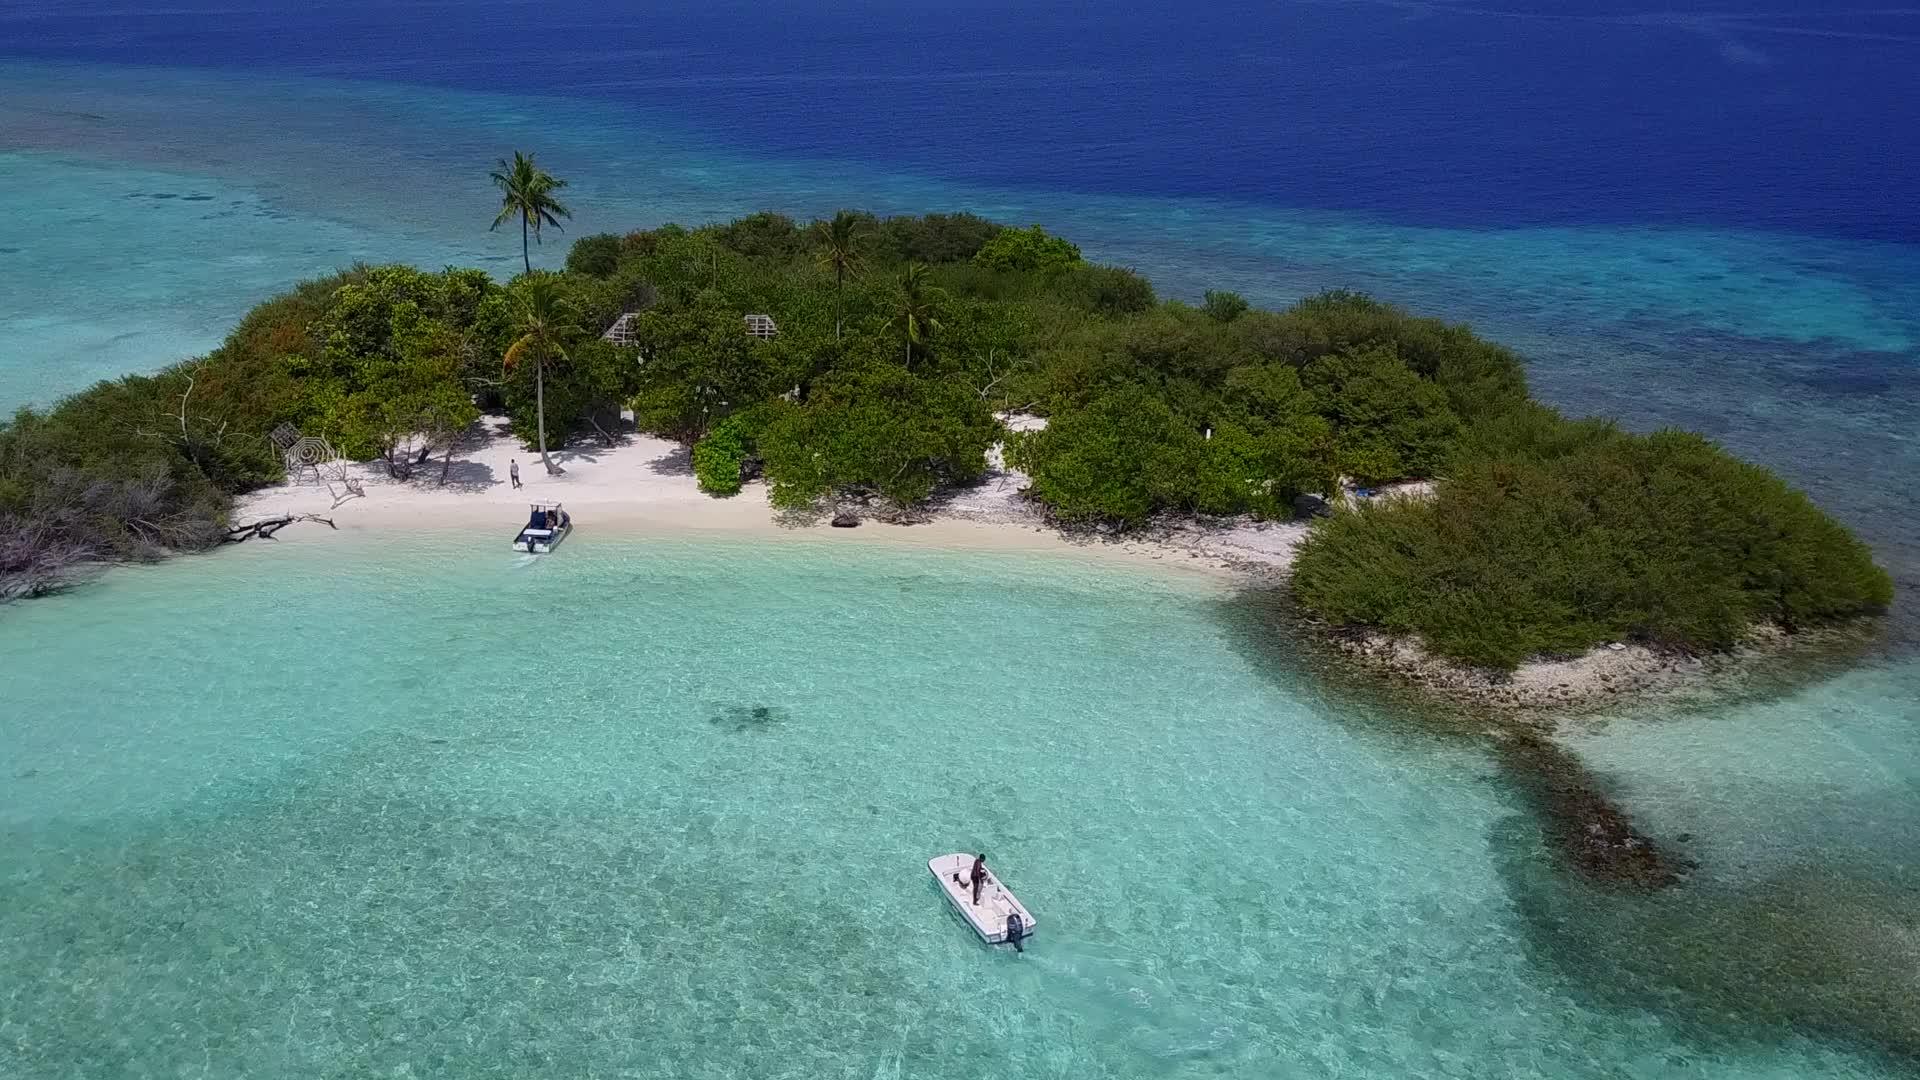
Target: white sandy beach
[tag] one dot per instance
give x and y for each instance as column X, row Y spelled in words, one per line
column 645, row 486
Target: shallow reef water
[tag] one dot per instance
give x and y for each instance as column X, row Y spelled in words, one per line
column 665, row 807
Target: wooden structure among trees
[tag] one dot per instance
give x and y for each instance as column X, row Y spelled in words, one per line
column 621, row 332
column 762, row 327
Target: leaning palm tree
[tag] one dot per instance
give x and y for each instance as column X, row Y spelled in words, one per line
column 526, row 192
column 544, row 317
column 839, row 252
column 916, row 311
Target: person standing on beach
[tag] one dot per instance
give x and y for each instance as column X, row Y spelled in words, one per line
column 513, row 472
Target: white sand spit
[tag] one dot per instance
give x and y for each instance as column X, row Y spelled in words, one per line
column 645, row 486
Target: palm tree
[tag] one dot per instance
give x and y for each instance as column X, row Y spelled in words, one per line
column 544, row 318
column 526, row 192
column 917, row 308
column 837, row 240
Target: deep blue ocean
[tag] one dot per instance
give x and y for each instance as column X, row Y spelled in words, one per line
column 1756, row 114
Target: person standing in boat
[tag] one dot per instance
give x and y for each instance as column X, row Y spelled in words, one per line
column 978, row 875
column 513, row 472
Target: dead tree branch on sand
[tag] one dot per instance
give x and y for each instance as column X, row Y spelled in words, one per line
column 266, row 527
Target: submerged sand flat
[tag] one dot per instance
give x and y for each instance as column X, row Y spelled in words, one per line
column 412, row 802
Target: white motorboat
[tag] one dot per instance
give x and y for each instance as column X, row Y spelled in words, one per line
column 999, row 917
column 547, row 525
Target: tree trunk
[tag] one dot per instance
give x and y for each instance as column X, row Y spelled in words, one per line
column 839, row 285
column 540, row 409
column 524, row 257
column 593, row 417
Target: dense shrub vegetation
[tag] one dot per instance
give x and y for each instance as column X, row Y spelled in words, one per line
column 721, row 460
column 1550, row 537
column 898, row 340
column 1028, row 250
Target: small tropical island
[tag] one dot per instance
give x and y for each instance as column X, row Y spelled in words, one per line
column 884, row 364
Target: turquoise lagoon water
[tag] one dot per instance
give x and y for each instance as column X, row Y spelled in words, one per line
column 662, row 808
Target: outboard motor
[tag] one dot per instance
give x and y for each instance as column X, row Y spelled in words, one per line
column 1016, row 931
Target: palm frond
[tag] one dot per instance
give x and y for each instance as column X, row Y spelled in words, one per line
column 526, row 192
column 516, row 352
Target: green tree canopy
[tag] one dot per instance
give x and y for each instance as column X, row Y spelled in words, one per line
column 1391, row 423
column 1225, row 306
column 696, row 366
column 1030, row 250
column 1564, row 540
column 879, row 428
column 597, row 255
column 388, row 380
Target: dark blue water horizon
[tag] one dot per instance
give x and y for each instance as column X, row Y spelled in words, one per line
column 1758, row 115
